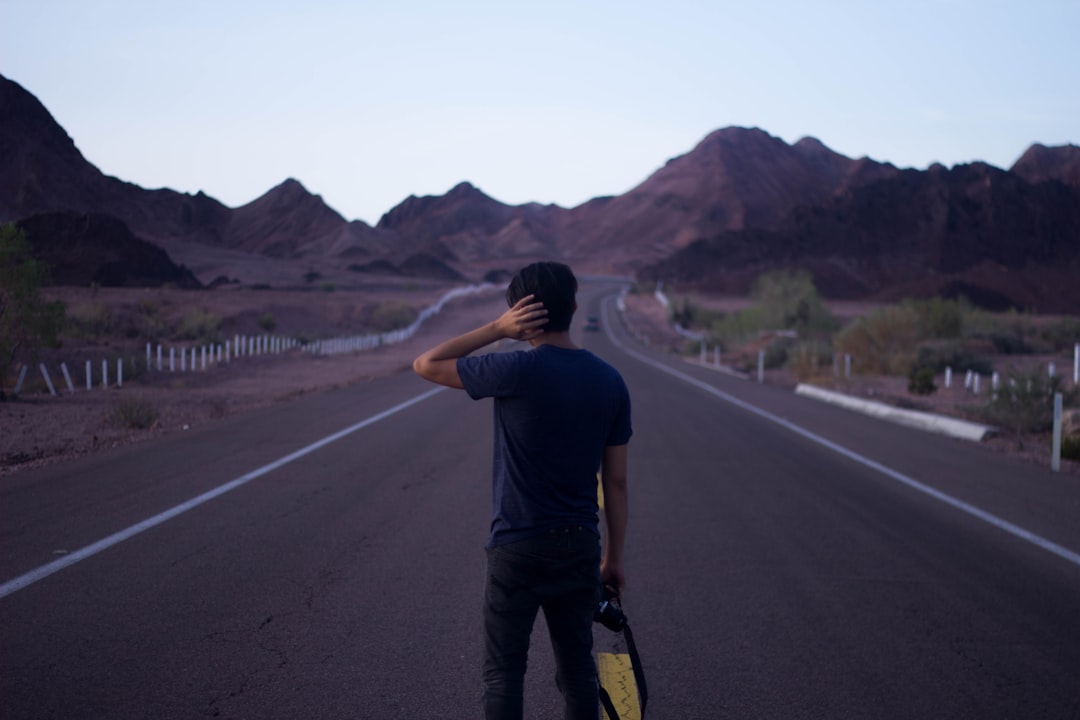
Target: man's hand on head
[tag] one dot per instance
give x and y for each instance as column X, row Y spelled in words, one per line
column 523, row 321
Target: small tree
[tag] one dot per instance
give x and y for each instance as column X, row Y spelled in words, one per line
column 27, row 322
column 787, row 299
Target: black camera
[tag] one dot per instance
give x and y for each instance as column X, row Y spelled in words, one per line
column 608, row 613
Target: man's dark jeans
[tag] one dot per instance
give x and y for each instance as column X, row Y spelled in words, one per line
column 558, row 571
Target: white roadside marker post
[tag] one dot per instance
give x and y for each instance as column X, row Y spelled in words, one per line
column 67, row 378
column 119, row 372
column 761, row 367
column 48, row 380
column 1055, row 453
column 19, row 382
column 104, row 373
column 948, row 377
column 89, row 378
column 159, row 357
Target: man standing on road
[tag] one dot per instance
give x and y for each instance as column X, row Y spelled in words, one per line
column 561, row 413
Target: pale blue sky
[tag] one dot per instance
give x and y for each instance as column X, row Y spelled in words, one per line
column 557, row 101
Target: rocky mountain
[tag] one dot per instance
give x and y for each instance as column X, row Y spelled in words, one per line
column 42, row 171
column 973, row 230
column 90, row 249
column 735, row 178
column 741, row 202
column 1042, row 163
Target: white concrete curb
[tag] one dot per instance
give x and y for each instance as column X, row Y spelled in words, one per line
column 912, row 418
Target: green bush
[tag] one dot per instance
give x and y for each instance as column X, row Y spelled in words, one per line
column 939, row 318
column 1025, row 402
column 777, row 352
column 135, row 413
column 392, row 315
column 1061, row 335
column 267, row 322
column 805, row 359
column 201, row 326
column 1070, row 447
column 90, row 322
column 941, row 354
column 882, row 342
column 921, row 381
column 788, row 300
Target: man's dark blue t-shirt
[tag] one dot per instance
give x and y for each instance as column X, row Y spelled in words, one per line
column 556, row 409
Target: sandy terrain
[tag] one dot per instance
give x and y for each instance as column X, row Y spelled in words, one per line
column 40, row 429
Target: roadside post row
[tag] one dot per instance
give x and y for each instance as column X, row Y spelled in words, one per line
column 190, row 359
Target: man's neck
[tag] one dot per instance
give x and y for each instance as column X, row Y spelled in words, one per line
column 556, row 339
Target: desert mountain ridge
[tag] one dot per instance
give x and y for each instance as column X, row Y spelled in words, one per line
column 739, row 203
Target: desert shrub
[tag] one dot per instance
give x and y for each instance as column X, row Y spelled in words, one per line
column 921, row 381
column 788, row 300
column 882, row 342
column 153, row 325
column 806, row 358
column 939, row 318
column 201, row 326
column 732, row 329
column 776, row 352
column 89, row 322
column 328, row 287
column 135, row 413
column 392, row 315
column 1061, row 335
column 1025, row 402
column 1070, row 447
column 955, row 354
column 267, row 322
column 1006, row 343
column 1014, row 334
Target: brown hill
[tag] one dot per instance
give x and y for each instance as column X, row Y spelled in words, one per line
column 41, row 171
column 735, row 178
column 974, row 230
column 1040, row 163
column 91, row 249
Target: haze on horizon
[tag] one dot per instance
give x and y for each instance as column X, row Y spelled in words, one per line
column 557, row 103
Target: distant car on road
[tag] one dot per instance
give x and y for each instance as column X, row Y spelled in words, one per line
column 592, row 324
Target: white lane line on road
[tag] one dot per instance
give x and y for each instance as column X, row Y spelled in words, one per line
column 989, row 518
column 44, row 571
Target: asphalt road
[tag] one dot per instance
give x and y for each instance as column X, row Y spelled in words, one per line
column 787, row 559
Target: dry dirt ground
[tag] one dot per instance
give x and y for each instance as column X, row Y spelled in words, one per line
column 38, row 428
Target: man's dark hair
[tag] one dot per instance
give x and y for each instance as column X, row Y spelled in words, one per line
column 554, row 285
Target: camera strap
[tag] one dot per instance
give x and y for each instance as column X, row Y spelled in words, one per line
column 639, row 678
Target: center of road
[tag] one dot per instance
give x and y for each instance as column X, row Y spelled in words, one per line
column 70, row 559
